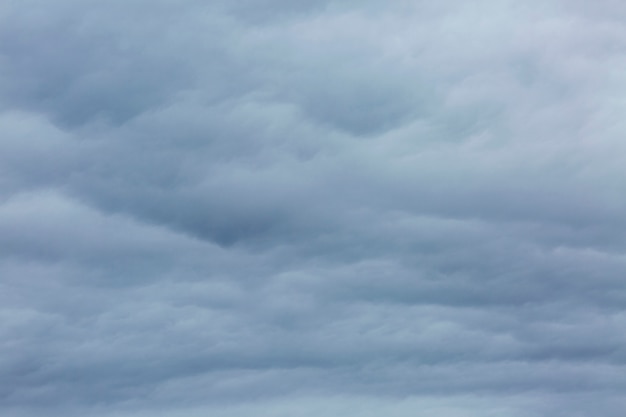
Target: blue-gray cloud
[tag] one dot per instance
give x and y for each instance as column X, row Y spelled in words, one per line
column 312, row 208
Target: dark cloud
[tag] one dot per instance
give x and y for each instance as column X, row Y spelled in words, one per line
column 283, row 208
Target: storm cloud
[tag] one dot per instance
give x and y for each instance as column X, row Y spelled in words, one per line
column 321, row 208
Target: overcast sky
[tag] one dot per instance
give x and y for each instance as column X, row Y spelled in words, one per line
column 285, row 208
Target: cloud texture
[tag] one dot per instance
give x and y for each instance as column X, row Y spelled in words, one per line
column 321, row 208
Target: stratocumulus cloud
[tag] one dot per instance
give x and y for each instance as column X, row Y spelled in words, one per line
column 285, row 208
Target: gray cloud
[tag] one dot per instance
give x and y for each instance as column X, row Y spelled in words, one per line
column 312, row 208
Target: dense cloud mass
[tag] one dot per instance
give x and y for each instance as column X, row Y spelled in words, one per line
column 282, row 208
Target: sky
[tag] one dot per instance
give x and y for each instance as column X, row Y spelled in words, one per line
column 285, row 208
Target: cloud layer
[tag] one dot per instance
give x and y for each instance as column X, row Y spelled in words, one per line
column 282, row 208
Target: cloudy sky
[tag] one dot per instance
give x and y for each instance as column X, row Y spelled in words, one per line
column 285, row 208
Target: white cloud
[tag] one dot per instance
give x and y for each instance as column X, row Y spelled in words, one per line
column 280, row 208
